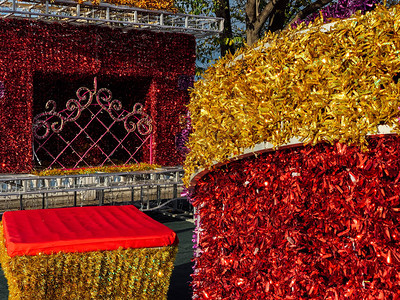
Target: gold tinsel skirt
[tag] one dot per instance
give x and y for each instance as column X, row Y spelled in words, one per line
column 142, row 273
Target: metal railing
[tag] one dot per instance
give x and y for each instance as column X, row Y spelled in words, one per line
column 148, row 190
column 111, row 15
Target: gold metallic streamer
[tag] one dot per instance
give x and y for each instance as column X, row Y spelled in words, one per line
column 167, row 5
column 105, row 169
column 121, row 274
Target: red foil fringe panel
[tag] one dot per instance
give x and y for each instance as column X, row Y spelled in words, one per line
column 302, row 223
column 33, row 47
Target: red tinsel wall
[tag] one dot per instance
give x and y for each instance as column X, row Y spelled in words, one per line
column 31, row 47
column 303, row 223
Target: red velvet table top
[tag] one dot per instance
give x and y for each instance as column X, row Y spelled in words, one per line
column 82, row 229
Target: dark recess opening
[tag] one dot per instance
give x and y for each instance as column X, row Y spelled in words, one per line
column 61, row 88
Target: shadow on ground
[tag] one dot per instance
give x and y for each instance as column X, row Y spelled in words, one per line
column 3, row 286
column 179, row 288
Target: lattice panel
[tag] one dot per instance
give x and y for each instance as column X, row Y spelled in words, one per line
column 92, row 130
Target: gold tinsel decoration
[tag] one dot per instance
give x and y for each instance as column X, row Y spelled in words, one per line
column 336, row 85
column 103, row 169
column 121, row 274
column 166, row 5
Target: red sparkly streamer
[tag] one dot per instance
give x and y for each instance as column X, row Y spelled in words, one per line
column 303, row 223
column 30, row 48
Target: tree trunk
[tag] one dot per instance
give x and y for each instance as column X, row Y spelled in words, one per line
column 252, row 36
column 308, row 10
column 251, row 19
column 222, row 10
column 274, row 11
column 278, row 18
column 256, row 19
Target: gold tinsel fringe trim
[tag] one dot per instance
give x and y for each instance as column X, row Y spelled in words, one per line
column 121, row 274
column 167, row 5
column 91, row 170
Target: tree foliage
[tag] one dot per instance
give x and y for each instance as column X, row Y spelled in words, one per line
column 212, row 47
column 247, row 20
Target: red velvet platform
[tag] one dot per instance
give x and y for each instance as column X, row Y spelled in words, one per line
column 82, row 229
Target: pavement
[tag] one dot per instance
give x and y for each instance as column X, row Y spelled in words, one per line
column 179, row 288
column 180, row 279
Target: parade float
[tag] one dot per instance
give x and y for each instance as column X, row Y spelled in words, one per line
column 294, row 165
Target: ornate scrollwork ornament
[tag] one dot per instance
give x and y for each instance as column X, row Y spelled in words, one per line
column 43, row 123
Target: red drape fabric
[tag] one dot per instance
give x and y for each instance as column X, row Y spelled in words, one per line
column 82, row 229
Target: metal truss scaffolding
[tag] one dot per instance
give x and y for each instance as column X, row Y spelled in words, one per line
column 148, row 190
column 111, row 15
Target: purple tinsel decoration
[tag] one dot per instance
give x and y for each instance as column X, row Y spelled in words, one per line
column 341, row 10
column 182, row 137
column 180, row 141
column 185, row 82
column 2, row 89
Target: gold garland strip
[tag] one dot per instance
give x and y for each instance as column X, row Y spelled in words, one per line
column 105, row 169
column 167, row 5
column 121, row 274
column 313, row 85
